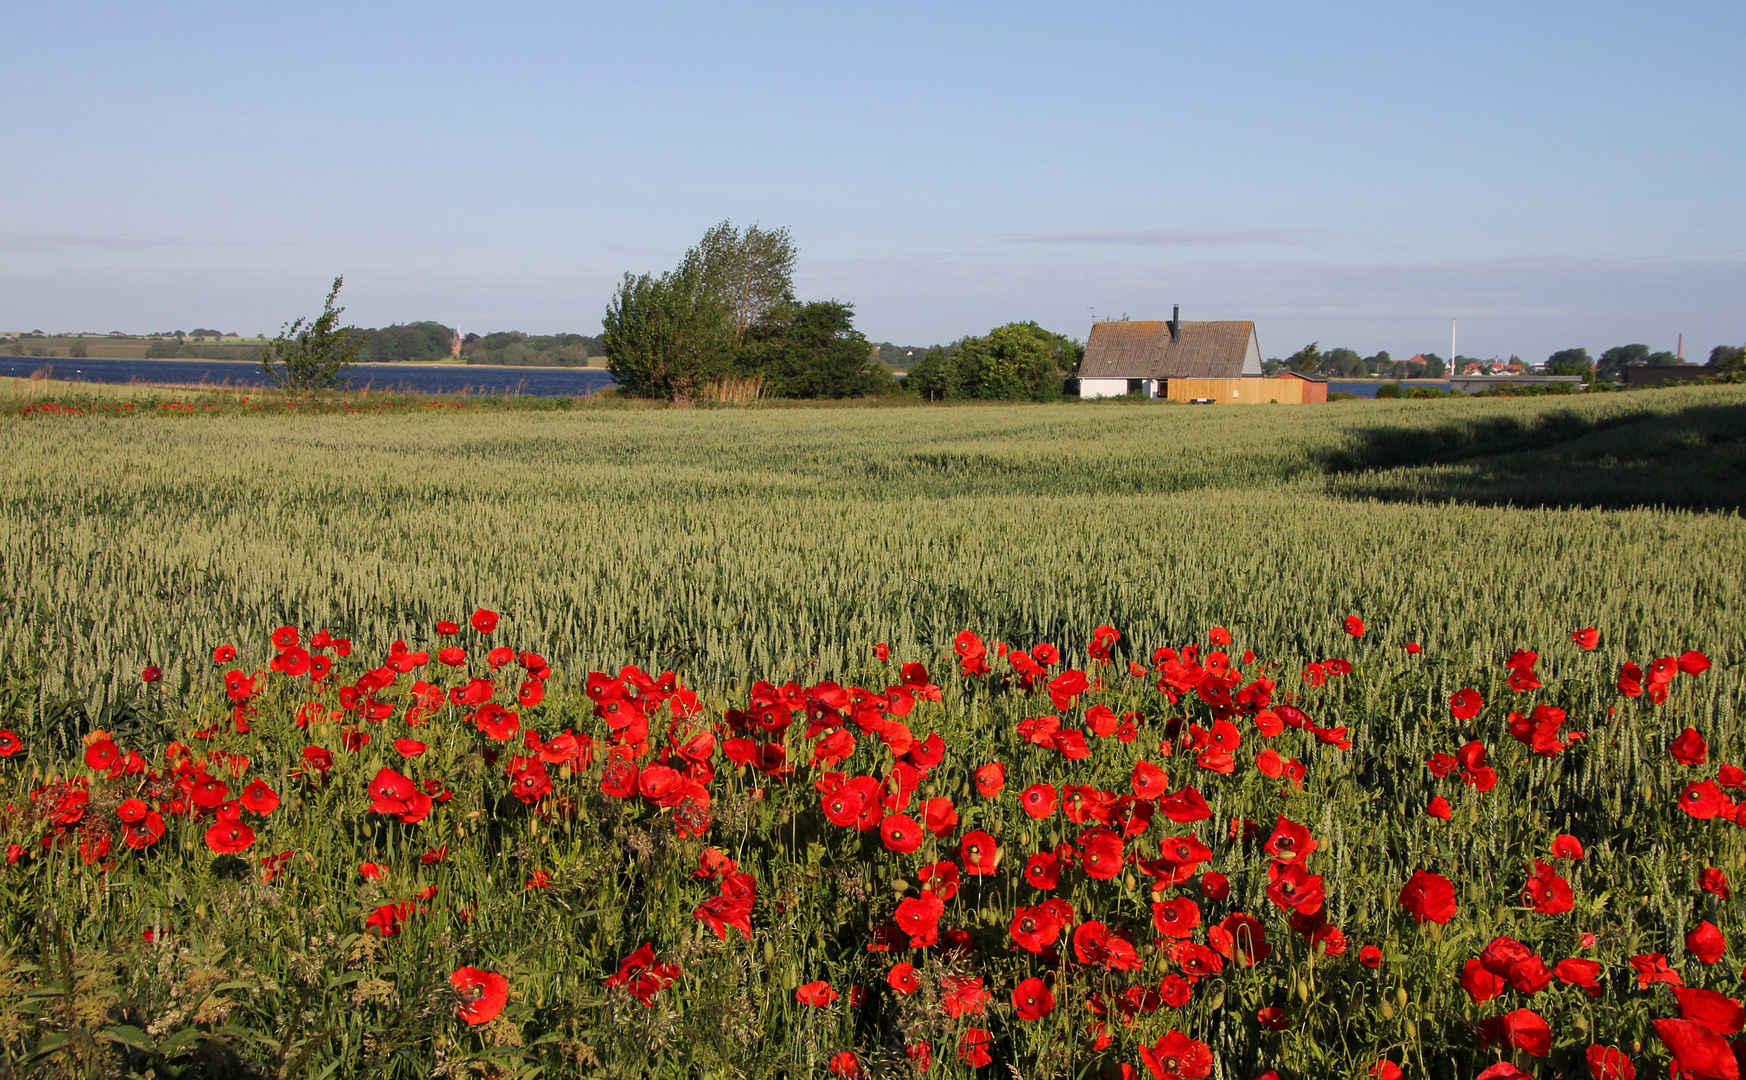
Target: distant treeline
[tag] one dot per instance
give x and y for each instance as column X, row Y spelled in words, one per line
column 514, row 348
column 412, row 343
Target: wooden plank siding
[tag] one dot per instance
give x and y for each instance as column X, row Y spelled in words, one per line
column 1252, row 391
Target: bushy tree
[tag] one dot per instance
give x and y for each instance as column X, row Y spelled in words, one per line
column 1306, row 359
column 315, row 356
column 812, row 350
column 1015, row 362
column 1728, row 358
column 1570, row 362
column 667, row 335
column 1616, row 359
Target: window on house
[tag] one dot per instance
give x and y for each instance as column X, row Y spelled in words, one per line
column 1136, row 386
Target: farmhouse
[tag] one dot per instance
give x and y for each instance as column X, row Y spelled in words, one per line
column 1186, row 361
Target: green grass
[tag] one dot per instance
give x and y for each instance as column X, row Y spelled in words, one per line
column 781, row 543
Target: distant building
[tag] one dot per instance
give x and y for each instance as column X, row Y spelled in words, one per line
column 1655, row 376
column 1186, row 361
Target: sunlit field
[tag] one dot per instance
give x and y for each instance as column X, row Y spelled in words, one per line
column 945, row 741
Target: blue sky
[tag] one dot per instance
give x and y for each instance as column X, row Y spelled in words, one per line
column 1553, row 174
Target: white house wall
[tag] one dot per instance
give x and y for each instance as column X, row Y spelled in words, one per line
column 1252, row 356
column 1096, row 388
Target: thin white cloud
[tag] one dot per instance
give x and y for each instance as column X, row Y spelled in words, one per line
column 1186, row 238
column 53, row 243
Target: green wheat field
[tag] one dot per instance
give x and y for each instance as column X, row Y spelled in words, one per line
column 735, row 545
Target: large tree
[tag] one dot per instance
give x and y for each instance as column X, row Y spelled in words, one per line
column 667, row 335
column 751, row 271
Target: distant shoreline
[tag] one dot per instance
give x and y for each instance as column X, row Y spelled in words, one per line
column 444, row 365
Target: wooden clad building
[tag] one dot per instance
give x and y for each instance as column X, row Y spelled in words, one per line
column 1186, row 361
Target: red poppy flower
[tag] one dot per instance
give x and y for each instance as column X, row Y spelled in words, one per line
column 1438, row 807
column 1480, row 984
column 979, row 854
column 1032, row 1000
column 1043, row 871
column 1706, row 942
column 454, row 656
column 1580, row 973
column 1185, row 806
column 1290, row 841
column 902, row 978
column 1465, row 704
column 1717, row 1012
column 1354, row 626
column 145, row 832
column 919, row 917
column 973, row 1048
column 1652, row 968
column 963, row 996
column 1095, row 943
column 1693, row 662
column 483, row 994
column 1177, row 1057
column 1239, row 937
column 939, row 816
column 1697, row 1051
column 9, row 743
column 1503, row 1070
column 1176, row 918
column 318, row 759
column 1295, row 888
column 484, row 621
column 991, row 780
column 1689, row 748
column 224, row 654
column 101, row 754
column 229, row 838
column 941, row 878
column 1523, row 1029
column 900, row 833
column 1038, row 800
column 1218, row 635
column 285, row 637
column 1428, row 896
column 1704, row 800
column 1214, row 886
column 1607, row 1063
column 815, row 994
column 1549, row 893
column 1715, row 882
column 1565, row 846
column 258, row 798
column 1370, row 956
column 1101, row 853
column 1066, row 686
